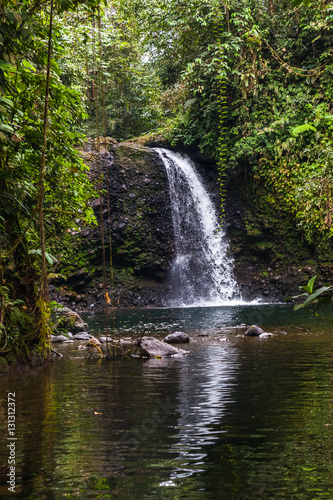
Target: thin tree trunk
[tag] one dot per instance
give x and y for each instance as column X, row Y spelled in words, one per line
column 44, row 287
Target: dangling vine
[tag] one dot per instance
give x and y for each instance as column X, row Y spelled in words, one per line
column 219, row 26
column 108, row 300
column 99, row 169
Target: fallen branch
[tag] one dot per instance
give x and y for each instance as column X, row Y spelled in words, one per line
column 300, row 329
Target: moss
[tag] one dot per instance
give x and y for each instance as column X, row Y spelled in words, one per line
column 3, row 365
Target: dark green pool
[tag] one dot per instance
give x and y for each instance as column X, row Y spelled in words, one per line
column 238, row 418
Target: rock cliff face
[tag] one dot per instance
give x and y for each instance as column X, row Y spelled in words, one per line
column 270, row 258
column 140, row 224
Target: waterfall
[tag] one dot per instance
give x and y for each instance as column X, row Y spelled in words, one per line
column 201, row 273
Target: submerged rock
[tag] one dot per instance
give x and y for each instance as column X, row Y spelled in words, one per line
column 176, row 338
column 254, row 331
column 152, row 347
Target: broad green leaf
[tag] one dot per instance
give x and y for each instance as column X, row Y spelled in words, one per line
column 6, row 128
column 302, row 128
column 316, row 294
column 7, row 101
column 309, row 286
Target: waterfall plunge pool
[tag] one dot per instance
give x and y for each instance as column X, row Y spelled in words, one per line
column 237, row 418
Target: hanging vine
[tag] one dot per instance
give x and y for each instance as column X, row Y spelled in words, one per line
column 219, row 26
column 108, row 300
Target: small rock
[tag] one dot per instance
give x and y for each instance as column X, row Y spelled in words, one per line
column 254, row 331
column 59, row 338
column 105, row 339
column 93, row 342
column 176, row 338
column 82, row 336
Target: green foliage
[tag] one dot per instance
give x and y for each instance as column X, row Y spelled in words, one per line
column 22, row 81
column 23, row 48
column 314, row 298
column 110, row 57
column 302, row 128
column 277, row 67
column 16, row 320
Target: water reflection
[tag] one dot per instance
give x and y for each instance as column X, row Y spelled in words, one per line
column 238, row 416
column 202, row 397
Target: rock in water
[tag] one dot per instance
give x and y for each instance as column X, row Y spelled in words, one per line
column 254, row 331
column 70, row 320
column 81, row 336
column 176, row 338
column 93, row 342
column 151, row 347
column 60, row 338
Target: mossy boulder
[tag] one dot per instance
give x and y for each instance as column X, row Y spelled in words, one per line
column 67, row 319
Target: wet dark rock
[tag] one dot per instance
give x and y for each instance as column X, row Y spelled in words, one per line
column 176, row 338
column 81, row 336
column 254, row 331
column 152, row 347
column 60, row 338
column 105, row 339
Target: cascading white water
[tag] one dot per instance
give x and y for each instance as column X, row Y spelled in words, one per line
column 201, row 273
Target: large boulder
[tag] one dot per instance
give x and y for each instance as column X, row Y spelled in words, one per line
column 177, row 338
column 66, row 319
column 152, row 347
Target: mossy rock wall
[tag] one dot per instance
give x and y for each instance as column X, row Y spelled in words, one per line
column 141, row 231
column 271, row 257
